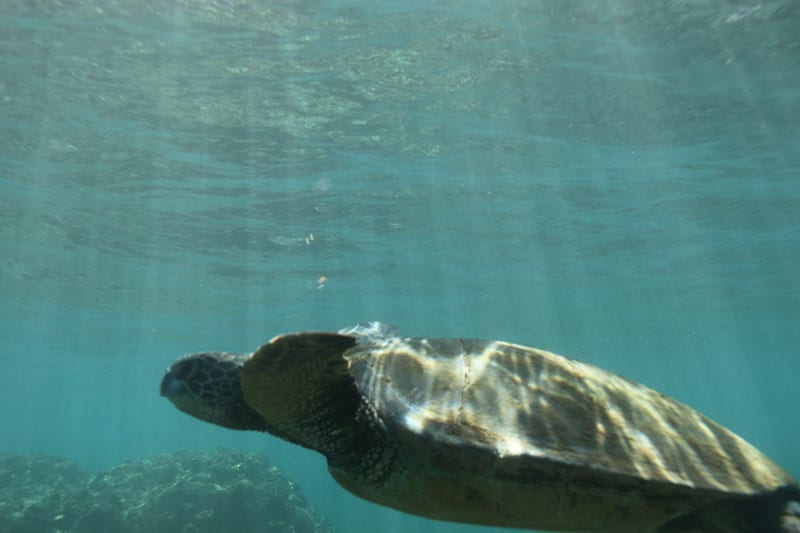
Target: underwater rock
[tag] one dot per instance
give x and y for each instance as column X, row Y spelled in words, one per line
column 223, row 490
column 34, row 489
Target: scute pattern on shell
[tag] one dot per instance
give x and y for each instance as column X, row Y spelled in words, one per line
column 517, row 401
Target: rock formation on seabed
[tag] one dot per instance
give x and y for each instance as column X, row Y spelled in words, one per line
column 185, row 492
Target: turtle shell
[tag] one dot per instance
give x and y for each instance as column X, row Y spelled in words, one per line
column 496, row 433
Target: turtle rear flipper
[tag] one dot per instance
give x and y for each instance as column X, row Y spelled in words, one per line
column 778, row 512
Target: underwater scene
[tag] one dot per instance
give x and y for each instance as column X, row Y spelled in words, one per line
column 616, row 181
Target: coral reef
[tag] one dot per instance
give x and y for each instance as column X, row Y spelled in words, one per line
column 34, row 489
column 223, row 490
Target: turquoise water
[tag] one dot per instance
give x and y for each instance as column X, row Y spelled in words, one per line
column 613, row 180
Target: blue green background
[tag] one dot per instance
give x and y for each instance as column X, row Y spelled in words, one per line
column 612, row 180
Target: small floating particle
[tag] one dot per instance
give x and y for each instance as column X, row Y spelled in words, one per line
column 322, row 185
column 744, row 11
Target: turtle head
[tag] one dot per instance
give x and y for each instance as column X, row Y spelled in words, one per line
column 207, row 385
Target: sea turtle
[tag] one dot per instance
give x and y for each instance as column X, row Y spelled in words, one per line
column 493, row 433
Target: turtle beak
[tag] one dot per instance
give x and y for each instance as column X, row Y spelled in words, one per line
column 171, row 385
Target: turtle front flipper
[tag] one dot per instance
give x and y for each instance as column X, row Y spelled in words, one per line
column 300, row 385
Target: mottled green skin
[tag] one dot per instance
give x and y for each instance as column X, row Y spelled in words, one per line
column 493, row 433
